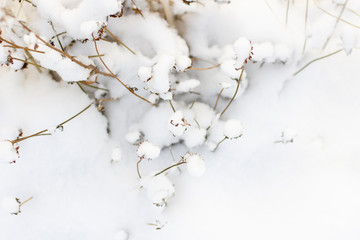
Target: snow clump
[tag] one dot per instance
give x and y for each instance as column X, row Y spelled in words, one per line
column 148, row 150
column 121, row 235
column 178, row 124
column 10, row 205
column 195, row 164
column 7, row 152
column 233, row 129
column 159, row 188
column 242, row 48
column 133, row 137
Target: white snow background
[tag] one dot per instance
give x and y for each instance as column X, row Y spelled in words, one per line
column 288, row 166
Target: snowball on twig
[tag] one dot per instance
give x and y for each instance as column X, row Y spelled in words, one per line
column 148, row 150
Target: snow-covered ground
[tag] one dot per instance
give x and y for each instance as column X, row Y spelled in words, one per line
column 158, row 154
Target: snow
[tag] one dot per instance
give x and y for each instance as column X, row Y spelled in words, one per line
column 226, row 85
column 68, row 70
column 195, row 165
column 187, row 85
column 148, row 150
column 79, row 18
column 233, row 128
column 121, row 235
column 194, row 137
column 7, row 152
column 293, row 174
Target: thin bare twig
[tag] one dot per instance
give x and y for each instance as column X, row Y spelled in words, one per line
column 13, row 45
column 287, row 12
column 174, row 165
column 336, row 23
column 217, row 146
column 45, row 130
column 25, row 201
column 316, row 59
column 93, row 68
column 172, row 106
column 306, row 18
column 113, row 75
column 208, row 68
column 236, row 91
column 217, row 99
column 137, row 166
column 118, row 40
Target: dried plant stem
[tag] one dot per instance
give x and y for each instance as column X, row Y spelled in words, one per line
column 25, row 201
column 30, row 136
column 82, row 89
column 306, row 18
column 287, row 12
column 93, row 68
column 168, row 13
column 113, row 75
column 354, row 12
column 24, row 61
column 201, row 59
column 172, row 106
column 316, row 59
column 95, row 56
column 336, row 23
column 45, row 130
column 236, row 91
column 217, row 146
column 101, row 101
column 118, row 40
column 57, row 36
column 13, row 45
column 217, row 99
column 137, row 167
column 338, row 18
column 208, row 68
column 174, row 165
column 38, row 67
column 89, row 85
